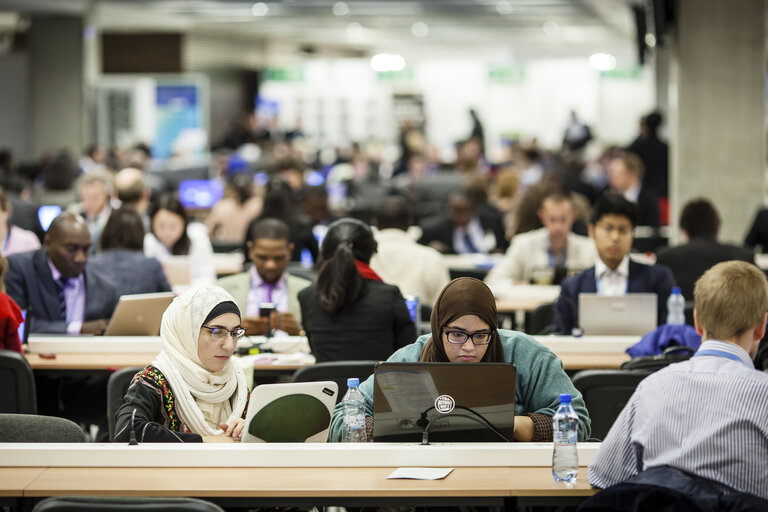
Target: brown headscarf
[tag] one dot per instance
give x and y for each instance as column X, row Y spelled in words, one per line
column 463, row 296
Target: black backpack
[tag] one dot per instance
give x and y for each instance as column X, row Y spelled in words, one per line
column 673, row 354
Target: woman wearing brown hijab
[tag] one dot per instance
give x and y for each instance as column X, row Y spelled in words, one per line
column 465, row 330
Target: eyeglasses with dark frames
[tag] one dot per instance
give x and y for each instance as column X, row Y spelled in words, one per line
column 460, row 337
column 220, row 333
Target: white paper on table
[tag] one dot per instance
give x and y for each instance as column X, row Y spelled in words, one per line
column 421, row 473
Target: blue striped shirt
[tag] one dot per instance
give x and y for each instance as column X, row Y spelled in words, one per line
column 707, row 416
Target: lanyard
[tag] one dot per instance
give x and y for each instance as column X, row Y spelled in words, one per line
column 718, row 353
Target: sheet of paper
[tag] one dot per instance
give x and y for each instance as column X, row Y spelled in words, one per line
column 420, row 473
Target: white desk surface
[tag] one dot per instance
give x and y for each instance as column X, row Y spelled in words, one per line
column 285, row 454
column 587, row 344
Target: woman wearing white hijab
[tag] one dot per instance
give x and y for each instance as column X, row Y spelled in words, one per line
column 193, row 391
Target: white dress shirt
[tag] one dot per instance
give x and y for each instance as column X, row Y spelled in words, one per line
column 74, row 297
column 612, row 282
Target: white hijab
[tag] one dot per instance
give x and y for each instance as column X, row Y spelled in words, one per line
column 203, row 398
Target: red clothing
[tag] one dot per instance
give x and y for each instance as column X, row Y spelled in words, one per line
column 366, row 271
column 10, row 319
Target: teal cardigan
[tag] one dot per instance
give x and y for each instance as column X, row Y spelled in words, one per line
column 540, row 380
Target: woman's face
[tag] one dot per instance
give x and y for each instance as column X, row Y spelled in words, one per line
column 168, row 227
column 467, row 352
column 216, row 354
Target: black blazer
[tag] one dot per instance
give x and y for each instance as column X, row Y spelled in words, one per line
column 372, row 328
column 758, row 233
column 689, row 261
column 656, row 279
column 30, row 283
column 441, row 229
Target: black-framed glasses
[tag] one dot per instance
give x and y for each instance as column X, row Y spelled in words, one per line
column 460, row 337
column 220, row 333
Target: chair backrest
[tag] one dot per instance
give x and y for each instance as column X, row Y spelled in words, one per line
column 17, row 383
column 337, row 371
column 606, row 392
column 124, row 504
column 32, row 428
column 540, row 320
column 117, row 385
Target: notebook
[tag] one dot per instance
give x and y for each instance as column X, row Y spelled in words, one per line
column 138, row 315
column 633, row 314
column 408, row 396
column 296, row 412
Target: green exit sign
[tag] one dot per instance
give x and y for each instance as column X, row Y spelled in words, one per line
column 507, row 74
column 284, row 74
column 633, row 73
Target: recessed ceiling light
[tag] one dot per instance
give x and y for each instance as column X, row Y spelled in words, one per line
column 340, row 9
column 259, row 9
column 504, row 7
column 602, row 61
column 382, row 62
column 551, row 28
column 420, row 29
column 650, row 40
column 354, row 30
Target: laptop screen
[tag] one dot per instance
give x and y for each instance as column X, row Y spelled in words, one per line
column 200, row 194
column 633, row 314
column 408, row 396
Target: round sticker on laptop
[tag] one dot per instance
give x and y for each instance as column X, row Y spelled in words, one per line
column 444, row 404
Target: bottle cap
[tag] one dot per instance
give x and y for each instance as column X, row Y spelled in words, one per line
column 565, row 398
column 353, row 381
column 676, row 289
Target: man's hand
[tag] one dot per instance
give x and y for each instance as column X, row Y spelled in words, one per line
column 96, row 327
column 220, row 439
column 254, row 325
column 439, row 246
column 287, row 323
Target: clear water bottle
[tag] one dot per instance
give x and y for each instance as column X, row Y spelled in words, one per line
column 565, row 456
column 675, row 307
column 353, row 428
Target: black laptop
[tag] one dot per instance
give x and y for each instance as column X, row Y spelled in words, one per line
column 457, row 402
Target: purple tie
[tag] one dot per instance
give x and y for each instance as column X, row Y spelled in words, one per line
column 269, row 287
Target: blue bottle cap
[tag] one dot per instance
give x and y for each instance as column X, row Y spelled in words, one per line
column 565, row 398
column 353, row 381
column 676, row 289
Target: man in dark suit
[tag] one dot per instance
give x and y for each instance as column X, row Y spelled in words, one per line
column 56, row 287
column 468, row 228
column 625, row 175
column 613, row 220
column 700, row 223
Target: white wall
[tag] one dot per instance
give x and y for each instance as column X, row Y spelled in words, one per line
column 13, row 103
column 335, row 92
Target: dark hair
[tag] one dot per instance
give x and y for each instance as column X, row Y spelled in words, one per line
column 124, row 230
column 270, row 229
column 338, row 281
column 170, row 203
column 653, row 121
column 278, row 201
column 700, row 219
column 394, row 212
column 616, row 204
column 242, row 186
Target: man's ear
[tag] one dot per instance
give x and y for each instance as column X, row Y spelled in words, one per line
column 290, row 248
column 760, row 329
column 591, row 230
column 697, row 324
column 540, row 213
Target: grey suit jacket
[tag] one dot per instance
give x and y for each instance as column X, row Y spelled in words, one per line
column 30, row 283
column 238, row 285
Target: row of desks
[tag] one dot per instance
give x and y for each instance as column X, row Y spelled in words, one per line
column 101, row 353
column 276, row 474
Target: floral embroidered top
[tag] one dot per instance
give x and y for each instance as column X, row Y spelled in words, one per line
column 155, row 419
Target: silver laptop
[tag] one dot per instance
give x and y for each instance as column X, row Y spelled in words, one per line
column 139, row 315
column 296, row 412
column 633, row 314
column 177, row 270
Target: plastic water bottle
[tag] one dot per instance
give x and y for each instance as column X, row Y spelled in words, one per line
column 565, row 456
column 675, row 307
column 353, row 428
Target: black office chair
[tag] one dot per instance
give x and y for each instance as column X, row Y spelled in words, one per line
column 17, row 383
column 337, row 371
column 117, row 385
column 124, row 504
column 32, row 428
column 540, row 320
column 606, row 392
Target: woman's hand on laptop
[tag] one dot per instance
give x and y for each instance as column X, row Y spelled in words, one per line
column 234, row 429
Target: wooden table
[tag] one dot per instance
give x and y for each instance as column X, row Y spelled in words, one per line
column 484, row 474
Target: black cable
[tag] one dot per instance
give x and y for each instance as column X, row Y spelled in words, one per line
column 478, row 418
column 132, row 440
